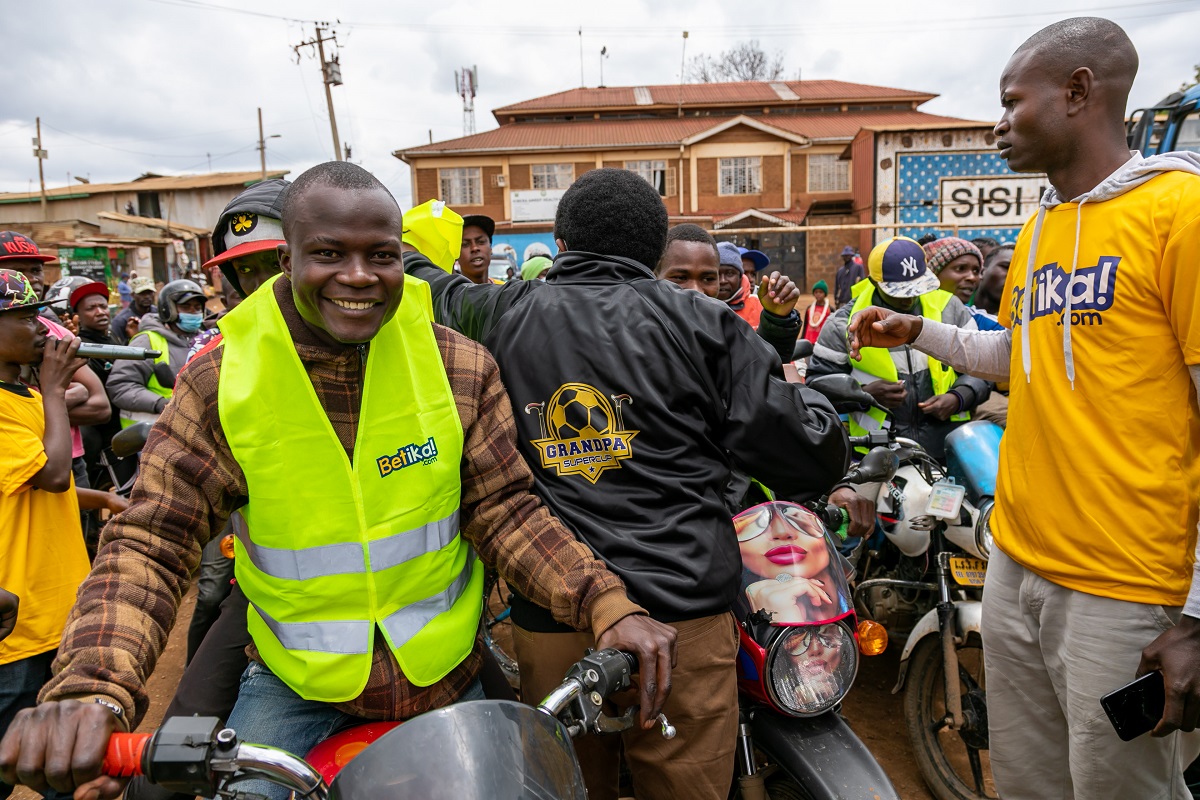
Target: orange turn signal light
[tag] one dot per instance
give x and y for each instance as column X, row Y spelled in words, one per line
column 227, row 545
column 872, row 638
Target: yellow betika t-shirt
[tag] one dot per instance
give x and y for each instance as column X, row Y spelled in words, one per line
column 1098, row 485
column 42, row 556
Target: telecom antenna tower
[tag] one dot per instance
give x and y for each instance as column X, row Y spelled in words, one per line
column 466, row 81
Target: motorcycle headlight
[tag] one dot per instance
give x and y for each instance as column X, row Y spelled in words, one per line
column 983, row 530
column 810, row 668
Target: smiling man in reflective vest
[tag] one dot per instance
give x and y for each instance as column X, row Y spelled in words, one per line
column 926, row 398
column 373, row 455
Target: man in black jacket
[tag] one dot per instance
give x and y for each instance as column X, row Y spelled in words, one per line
column 635, row 400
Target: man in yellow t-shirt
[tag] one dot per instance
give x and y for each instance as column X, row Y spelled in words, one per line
column 44, row 558
column 1094, row 579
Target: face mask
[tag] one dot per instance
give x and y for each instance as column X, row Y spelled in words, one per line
column 190, row 322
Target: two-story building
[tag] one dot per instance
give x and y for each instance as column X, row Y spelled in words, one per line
column 739, row 159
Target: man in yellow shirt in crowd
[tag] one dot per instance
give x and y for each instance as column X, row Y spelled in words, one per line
column 44, row 558
column 1093, row 580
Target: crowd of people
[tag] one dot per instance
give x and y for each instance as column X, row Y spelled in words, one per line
column 342, row 430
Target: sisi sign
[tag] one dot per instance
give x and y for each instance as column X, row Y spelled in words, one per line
column 990, row 202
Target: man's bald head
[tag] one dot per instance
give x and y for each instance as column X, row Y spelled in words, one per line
column 335, row 174
column 1097, row 44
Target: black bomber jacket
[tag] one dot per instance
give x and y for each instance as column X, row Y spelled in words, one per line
column 634, row 399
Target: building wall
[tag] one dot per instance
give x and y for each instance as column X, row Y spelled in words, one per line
column 825, row 247
column 950, row 182
column 708, row 187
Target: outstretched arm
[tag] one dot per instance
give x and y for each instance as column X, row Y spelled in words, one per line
column 983, row 354
column 471, row 309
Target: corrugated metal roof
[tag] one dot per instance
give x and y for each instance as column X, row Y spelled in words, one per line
column 153, row 222
column 166, row 183
column 667, row 131
column 750, row 92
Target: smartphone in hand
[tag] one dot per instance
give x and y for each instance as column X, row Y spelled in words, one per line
column 1137, row 707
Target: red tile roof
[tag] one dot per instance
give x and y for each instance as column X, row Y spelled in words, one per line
column 744, row 92
column 666, row 132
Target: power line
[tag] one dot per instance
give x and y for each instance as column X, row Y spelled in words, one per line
column 673, row 31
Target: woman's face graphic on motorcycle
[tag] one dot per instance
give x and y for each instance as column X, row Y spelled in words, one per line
column 781, row 538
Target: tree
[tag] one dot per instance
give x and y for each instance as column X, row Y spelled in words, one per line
column 746, row 61
column 1183, row 87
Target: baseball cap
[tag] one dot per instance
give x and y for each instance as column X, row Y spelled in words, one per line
column 251, row 223
column 760, row 259
column 435, row 230
column 897, row 266
column 537, row 249
column 95, row 287
column 847, row 250
column 16, row 292
column 139, row 285
column 730, row 255
column 15, row 246
column 486, row 224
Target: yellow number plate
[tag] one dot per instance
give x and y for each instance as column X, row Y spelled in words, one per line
column 968, row 571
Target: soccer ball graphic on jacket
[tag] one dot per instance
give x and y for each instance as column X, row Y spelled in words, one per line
column 577, row 411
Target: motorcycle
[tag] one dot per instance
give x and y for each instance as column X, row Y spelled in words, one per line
column 921, row 576
column 798, row 656
column 479, row 749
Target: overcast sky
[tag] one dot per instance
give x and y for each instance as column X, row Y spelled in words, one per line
column 170, row 86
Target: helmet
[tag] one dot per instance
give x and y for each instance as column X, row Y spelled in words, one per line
column 59, row 293
column 174, row 293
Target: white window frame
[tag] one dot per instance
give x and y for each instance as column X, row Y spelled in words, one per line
column 828, row 172
column 742, row 175
column 551, row 176
column 655, row 172
column 461, row 186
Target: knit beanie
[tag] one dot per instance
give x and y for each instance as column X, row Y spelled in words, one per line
column 941, row 252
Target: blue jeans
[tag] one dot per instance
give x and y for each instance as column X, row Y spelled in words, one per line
column 269, row 712
column 20, row 682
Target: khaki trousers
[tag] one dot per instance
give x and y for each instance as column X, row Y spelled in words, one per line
column 1051, row 653
column 698, row 763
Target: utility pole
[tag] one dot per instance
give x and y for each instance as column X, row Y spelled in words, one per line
column 41, row 155
column 262, row 146
column 331, row 75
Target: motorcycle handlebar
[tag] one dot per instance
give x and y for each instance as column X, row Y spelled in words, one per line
column 125, row 756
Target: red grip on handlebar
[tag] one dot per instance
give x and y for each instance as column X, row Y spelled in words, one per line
column 123, row 759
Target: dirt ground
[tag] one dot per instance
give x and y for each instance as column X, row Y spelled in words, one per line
column 875, row 714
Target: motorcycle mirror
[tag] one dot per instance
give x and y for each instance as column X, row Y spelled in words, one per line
column 877, row 466
column 843, row 391
column 165, row 375
column 803, row 349
column 131, row 440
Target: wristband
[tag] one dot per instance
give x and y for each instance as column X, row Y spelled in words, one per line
column 111, row 706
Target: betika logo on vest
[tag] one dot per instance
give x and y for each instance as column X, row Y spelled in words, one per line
column 407, row 456
column 1093, row 291
column 583, row 433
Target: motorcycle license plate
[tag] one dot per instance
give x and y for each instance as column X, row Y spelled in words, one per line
column 968, row 571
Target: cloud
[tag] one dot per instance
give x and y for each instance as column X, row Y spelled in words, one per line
column 167, row 85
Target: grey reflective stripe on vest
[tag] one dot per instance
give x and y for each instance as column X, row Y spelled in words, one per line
column 344, row 637
column 408, row 621
column 309, row 562
column 353, row 637
column 347, row 558
column 397, row 549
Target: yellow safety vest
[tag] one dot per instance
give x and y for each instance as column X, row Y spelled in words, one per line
column 876, row 362
column 157, row 342
column 333, row 550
